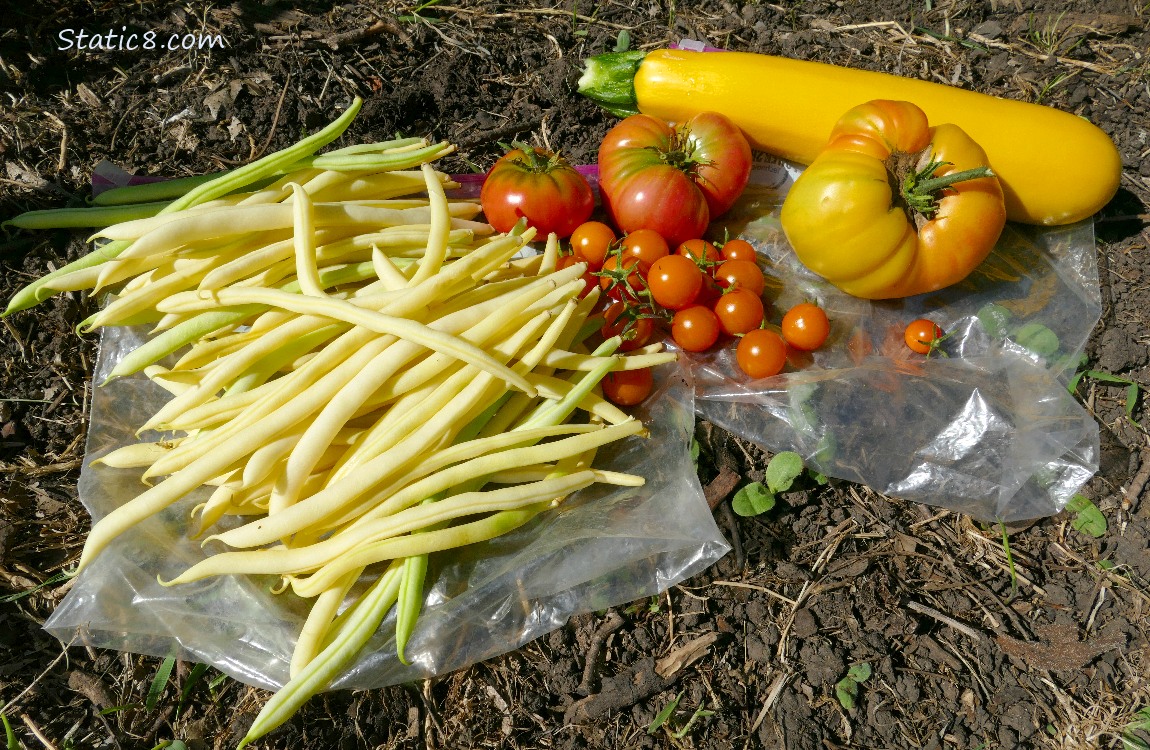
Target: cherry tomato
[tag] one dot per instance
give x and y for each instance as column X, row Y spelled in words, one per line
column 739, row 311
column 591, row 241
column 636, row 331
column 628, row 387
column 674, row 281
column 761, row 353
column 589, row 277
column 922, row 335
column 695, row 328
column 743, row 274
column 702, row 252
column 738, row 250
column 647, row 245
column 805, row 326
column 611, row 277
column 539, row 186
column 673, row 179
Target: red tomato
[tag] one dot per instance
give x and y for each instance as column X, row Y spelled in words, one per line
column 628, row 387
column 739, row 250
column 647, row 245
column 621, row 277
column 702, row 252
column 922, row 335
column 635, row 330
column 742, row 274
column 739, row 311
column 591, row 241
column 761, row 353
column 673, row 179
column 695, row 328
column 539, row 186
column 674, row 281
column 805, row 326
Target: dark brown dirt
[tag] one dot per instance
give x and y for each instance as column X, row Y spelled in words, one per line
column 962, row 654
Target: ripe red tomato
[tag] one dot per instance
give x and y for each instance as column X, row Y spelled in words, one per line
column 621, row 277
column 591, row 241
column 739, row 311
column 805, row 326
column 761, row 353
column 635, row 330
column 673, row 179
column 922, row 335
column 539, row 186
column 702, row 252
column 738, row 250
column 628, row 387
column 674, row 281
column 647, row 245
column 742, row 274
column 695, row 328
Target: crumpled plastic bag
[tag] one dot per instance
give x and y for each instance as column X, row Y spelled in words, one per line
column 989, row 430
column 603, row 547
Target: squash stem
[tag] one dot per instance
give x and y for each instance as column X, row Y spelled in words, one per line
column 609, row 81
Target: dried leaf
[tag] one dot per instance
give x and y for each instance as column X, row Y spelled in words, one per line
column 685, row 655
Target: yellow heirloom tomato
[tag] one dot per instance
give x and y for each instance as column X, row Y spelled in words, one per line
column 893, row 207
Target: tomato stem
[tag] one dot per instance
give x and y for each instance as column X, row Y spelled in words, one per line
column 922, row 190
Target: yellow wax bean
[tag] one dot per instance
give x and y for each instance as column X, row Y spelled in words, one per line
column 432, row 259
column 280, row 407
column 417, row 544
column 565, row 360
column 319, row 619
column 304, row 228
column 369, row 319
column 347, row 490
column 135, row 455
column 295, row 560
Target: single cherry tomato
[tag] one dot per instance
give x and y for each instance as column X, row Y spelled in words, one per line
column 674, row 281
column 739, row 311
column 702, row 252
column 611, row 277
column 743, row 274
column 738, row 250
column 537, row 185
column 591, row 241
column 589, row 277
column 805, row 326
column 647, row 245
column 761, row 353
column 619, row 321
column 628, row 387
column 922, row 335
column 695, row 328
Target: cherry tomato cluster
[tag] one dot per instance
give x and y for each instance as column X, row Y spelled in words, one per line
column 698, row 292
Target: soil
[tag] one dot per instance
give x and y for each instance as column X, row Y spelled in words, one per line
column 967, row 648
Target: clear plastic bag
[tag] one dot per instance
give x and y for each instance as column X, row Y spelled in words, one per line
column 989, row 429
column 605, row 546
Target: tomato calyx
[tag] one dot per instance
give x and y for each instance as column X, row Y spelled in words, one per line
column 919, row 191
column 536, row 160
column 680, row 154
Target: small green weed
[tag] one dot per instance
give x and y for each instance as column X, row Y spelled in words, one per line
column 847, row 689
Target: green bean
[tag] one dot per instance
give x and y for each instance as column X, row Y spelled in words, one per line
column 202, row 192
column 320, row 671
column 79, row 218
